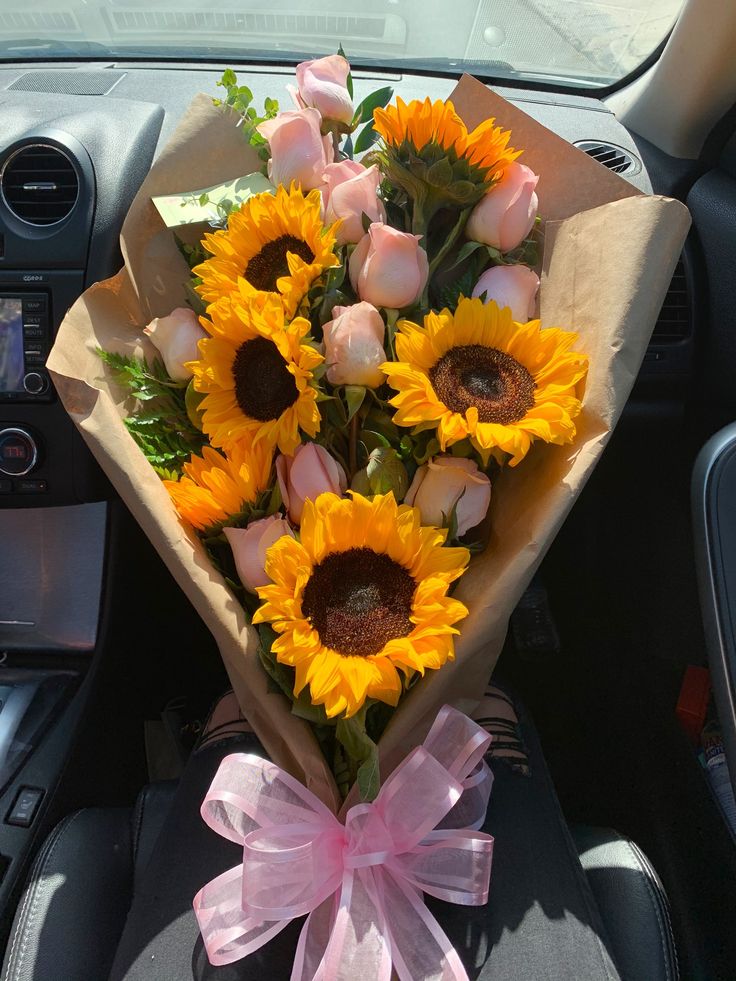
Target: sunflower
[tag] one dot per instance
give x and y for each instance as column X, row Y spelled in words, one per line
column 215, row 487
column 256, row 371
column 429, row 141
column 362, row 597
column 480, row 375
column 275, row 243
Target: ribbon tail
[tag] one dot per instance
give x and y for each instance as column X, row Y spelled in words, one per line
column 229, row 933
column 352, row 935
column 313, row 941
column 420, row 948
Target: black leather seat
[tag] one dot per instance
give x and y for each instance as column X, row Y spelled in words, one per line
column 74, row 906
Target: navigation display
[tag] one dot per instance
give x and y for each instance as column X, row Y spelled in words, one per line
column 12, row 367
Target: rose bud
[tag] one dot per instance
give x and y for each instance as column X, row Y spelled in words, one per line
column 299, row 152
column 311, row 471
column 389, row 268
column 351, row 193
column 438, row 486
column 510, row 286
column 176, row 338
column 249, row 547
column 506, row 215
column 323, row 85
column 354, row 346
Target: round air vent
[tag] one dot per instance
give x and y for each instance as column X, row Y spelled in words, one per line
column 39, row 184
column 614, row 157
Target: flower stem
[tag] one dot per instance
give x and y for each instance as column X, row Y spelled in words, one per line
column 353, row 447
column 450, row 241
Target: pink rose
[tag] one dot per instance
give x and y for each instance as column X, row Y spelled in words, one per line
column 299, row 152
column 249, row 546
column 510, row 286
column 354, row 346
column 323, row 85
column 351, row 192
column 505, row 216
column 389, row 268
column 176, row 338
column 438, row 485
column 311, row 471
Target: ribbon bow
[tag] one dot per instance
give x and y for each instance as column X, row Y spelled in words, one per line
column 361, row 882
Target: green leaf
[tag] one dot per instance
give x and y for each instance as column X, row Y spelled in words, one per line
column 366, row 138
column 425, row 450
column 354, row 398
column 466, row 251
column 440, row 174
column 373, row 441
column 349, row 81
column 369, row 777
column 376, row 100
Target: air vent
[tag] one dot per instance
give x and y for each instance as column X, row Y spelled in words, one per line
column 39, row 184
column 617, row 159
column 673, row 323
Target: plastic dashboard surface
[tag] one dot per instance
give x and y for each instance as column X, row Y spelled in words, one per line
column 112, row 120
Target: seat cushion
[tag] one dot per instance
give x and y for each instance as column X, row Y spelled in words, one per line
column 632, row 903
column 74, row 905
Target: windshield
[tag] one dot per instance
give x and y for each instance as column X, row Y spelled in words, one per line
column 591, row 42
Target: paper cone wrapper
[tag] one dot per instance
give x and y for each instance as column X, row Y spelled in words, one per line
column 609, row 254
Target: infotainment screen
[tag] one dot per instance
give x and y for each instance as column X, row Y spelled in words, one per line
column 12, row 367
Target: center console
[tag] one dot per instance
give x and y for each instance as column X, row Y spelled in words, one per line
column 69, row 168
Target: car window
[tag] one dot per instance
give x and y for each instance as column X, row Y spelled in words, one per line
column 587, row 42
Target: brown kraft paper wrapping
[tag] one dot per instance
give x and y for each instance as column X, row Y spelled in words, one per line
column 608, row 257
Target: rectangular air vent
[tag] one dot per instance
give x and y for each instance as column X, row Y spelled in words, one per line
column 673, row 323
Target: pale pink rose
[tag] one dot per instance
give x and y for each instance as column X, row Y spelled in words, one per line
column 389, row 268
column 249, row 546
column 438, row 485
column 323, row 85
column 351, row 192
column 354, row 346
column 176, row 338
column 299, row 152
column 510, row 286
column 311, row 471
column 505, row 216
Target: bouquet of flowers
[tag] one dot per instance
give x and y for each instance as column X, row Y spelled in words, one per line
column 356, row 364
column 319, row 384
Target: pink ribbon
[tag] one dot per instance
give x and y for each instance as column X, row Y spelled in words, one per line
column 360, row 882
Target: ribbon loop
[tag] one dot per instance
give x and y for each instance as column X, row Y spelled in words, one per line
column 362, row 882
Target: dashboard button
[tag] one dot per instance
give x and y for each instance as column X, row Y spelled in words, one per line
column 31, row 486
column 18, row 452
column 26, row 804
column 36, row 305
column 34, row 382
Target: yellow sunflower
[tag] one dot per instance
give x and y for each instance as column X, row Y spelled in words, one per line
column 275, row 243
column 255, row 371
column 480, row 375
column 215, row 487
column 423, row 138
column 362, row 597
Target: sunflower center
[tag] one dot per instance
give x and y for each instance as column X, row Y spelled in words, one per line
column 472, row 375
column 264, row 386
column 268, row 265
column 358, row 601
